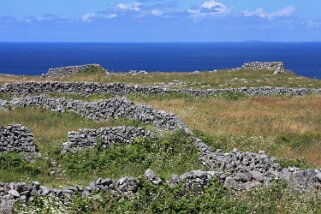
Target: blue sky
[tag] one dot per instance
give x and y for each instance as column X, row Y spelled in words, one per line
column 159, row 20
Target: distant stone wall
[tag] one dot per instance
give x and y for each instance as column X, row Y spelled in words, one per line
column 104, row 110
column 16, row 138
column 87, row 138
column 87, row 88
column 65, row 71
column 277, row 67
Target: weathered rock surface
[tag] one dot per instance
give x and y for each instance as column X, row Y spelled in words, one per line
column 65, row 71
column 277, row 67
column 16, row 138
column 150, row 175
column 89, row 138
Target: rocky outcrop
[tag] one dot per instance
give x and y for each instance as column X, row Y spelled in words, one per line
column 276, row 67
column 120, row 89
column 104, row 110
column 16, row 138
column 65, row 71
column 90, row 138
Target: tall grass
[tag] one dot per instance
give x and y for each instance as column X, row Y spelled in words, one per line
column 287, row 127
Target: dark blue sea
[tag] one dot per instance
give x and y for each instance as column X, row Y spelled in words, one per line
column 35, row 58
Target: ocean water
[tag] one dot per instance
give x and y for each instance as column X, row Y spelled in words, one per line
column 35, row 58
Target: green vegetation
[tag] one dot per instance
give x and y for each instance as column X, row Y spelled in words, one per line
column 159, row 153
column 220, row 79
column 93, row 69
column 50, row 130
column 277, row 199
column 283, row 126
column 14, row 166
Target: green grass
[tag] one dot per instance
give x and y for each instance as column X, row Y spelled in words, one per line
column 220, row 79
column 275, row 199
column 286, row 127
column 168, row 154
column 50, row 130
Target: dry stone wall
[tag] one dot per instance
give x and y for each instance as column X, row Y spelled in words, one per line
column 65, row 71
column 16, row 138
column 195, row 180
column 104, row 110
column 247, row 170
column 240, row 170
column 89, row 138
column 88, row 88
column 277, row 67
column 124, row 187
column 237, row 170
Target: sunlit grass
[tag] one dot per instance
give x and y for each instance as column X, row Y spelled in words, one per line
column 287, row 127
column 220, row 79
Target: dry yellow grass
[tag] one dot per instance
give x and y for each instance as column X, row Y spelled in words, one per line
column 12, row 78
column 296, row 118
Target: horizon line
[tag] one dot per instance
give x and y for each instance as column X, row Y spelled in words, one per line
column 246, row 41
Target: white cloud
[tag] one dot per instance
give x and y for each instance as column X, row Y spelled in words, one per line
column 111, row 16
column 214, row 7
column 260, row 12
column 88, row 17
column 209, row 8
column 133, row 6
column 156, row 12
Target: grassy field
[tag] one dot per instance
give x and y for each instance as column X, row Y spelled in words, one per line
column 220, row 79
column 283, row 126
column 50, row 130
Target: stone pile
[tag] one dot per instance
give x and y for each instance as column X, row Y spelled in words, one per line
column 120, row 89
column 246, row 170
column 65, row 71
column 195, row 180
column 89, row 138
column 16, row 138
column 126, row 186
column 104, row 110
column 135, row 72
column 277, row 67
